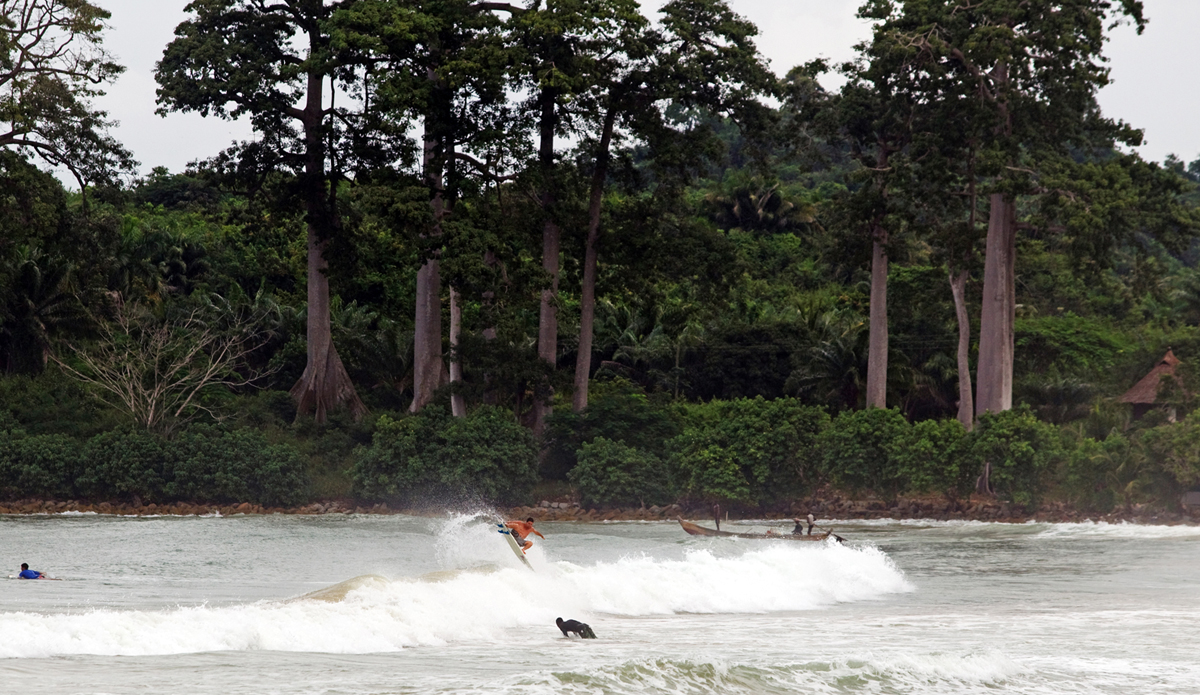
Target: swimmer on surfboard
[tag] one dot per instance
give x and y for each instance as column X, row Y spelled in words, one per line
column 27, row 573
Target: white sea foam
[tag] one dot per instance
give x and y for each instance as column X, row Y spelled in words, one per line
column 1123, row 529
column 990, row 667
column 925, row 673
column 479, row 603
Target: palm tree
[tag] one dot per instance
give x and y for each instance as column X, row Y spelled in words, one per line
column 833, row 370
column 755, row 204
column 43, row 304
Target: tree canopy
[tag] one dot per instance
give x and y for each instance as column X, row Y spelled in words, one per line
column 464, row 197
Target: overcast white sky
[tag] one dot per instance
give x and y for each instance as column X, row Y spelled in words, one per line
column 1154, row 75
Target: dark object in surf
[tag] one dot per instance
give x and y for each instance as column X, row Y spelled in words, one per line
column 582, row 629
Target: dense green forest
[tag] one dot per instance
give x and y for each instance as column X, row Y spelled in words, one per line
column 487, row 251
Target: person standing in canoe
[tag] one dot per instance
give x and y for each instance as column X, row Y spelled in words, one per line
column 520, row 529
column 799, row 530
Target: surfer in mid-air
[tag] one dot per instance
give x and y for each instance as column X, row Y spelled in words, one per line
column 521, row 529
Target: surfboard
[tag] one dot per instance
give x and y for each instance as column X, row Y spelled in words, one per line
column 516, row 547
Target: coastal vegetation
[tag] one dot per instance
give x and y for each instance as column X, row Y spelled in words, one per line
column 494, row 252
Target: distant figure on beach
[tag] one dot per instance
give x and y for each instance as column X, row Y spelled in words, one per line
column 520, row 529
column 27, row 573
column 582, row 629
column 717, row 515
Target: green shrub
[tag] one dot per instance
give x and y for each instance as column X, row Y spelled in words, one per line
column 862, row 449
column 37, row 466
column 1100, row 473
column 933, row 459
column 619, row 412
column 1174, row 450
column 212, row 465
column 613, row 473
column 390, row 467
column 712, row 473
column 748, row 450
column 1018, row 449
column 487, row 454
column 125, row 463
column 51, row 403
column 202, row 464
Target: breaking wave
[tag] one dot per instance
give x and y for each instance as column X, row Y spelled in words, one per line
column 376, row 614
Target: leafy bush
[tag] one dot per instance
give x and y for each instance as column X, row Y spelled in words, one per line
column 933, row 459
column 618, row 412
column 613, row 473
column 125, row 463
column 1018, row 450
column 486, row 453
column 234, row 466
column 51, row 403
column 748, row 449
column 1174, row 450
column 862, row 450
column 203, row 464
column 1098, row 474
column 391, row 466
column 39, row 465
column 712, row 473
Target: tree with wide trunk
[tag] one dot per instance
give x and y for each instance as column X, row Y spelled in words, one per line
column 1032, row 70
column 563, row 46
column 444, row 63
column 876, row 115
column 700, row 58
column 272, row 62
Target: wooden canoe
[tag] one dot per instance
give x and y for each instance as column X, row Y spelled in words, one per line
column 697, row 530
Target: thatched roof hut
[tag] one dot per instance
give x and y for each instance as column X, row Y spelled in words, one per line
column 1144, row 394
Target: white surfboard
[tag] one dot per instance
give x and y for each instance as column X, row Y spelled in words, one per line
column 516, row 547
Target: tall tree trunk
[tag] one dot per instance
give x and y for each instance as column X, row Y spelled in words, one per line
column 877, row 351
column 996, row 334
column 551, row 235
column 966, row 402
column 427, row 339
column 587, row 300
column 428, row 368
column 458, row 406
column 325, row 383
column 993, row 379
column 489, row 259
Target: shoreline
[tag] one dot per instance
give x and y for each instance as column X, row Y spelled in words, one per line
column 835, row 508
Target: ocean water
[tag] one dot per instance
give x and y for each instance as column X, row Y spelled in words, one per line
column 344, row 604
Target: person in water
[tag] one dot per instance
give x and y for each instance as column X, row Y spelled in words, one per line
column 520, row 529
column 27, row 573
column 582, row 629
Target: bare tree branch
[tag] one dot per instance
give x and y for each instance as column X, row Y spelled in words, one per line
column 157, row 370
